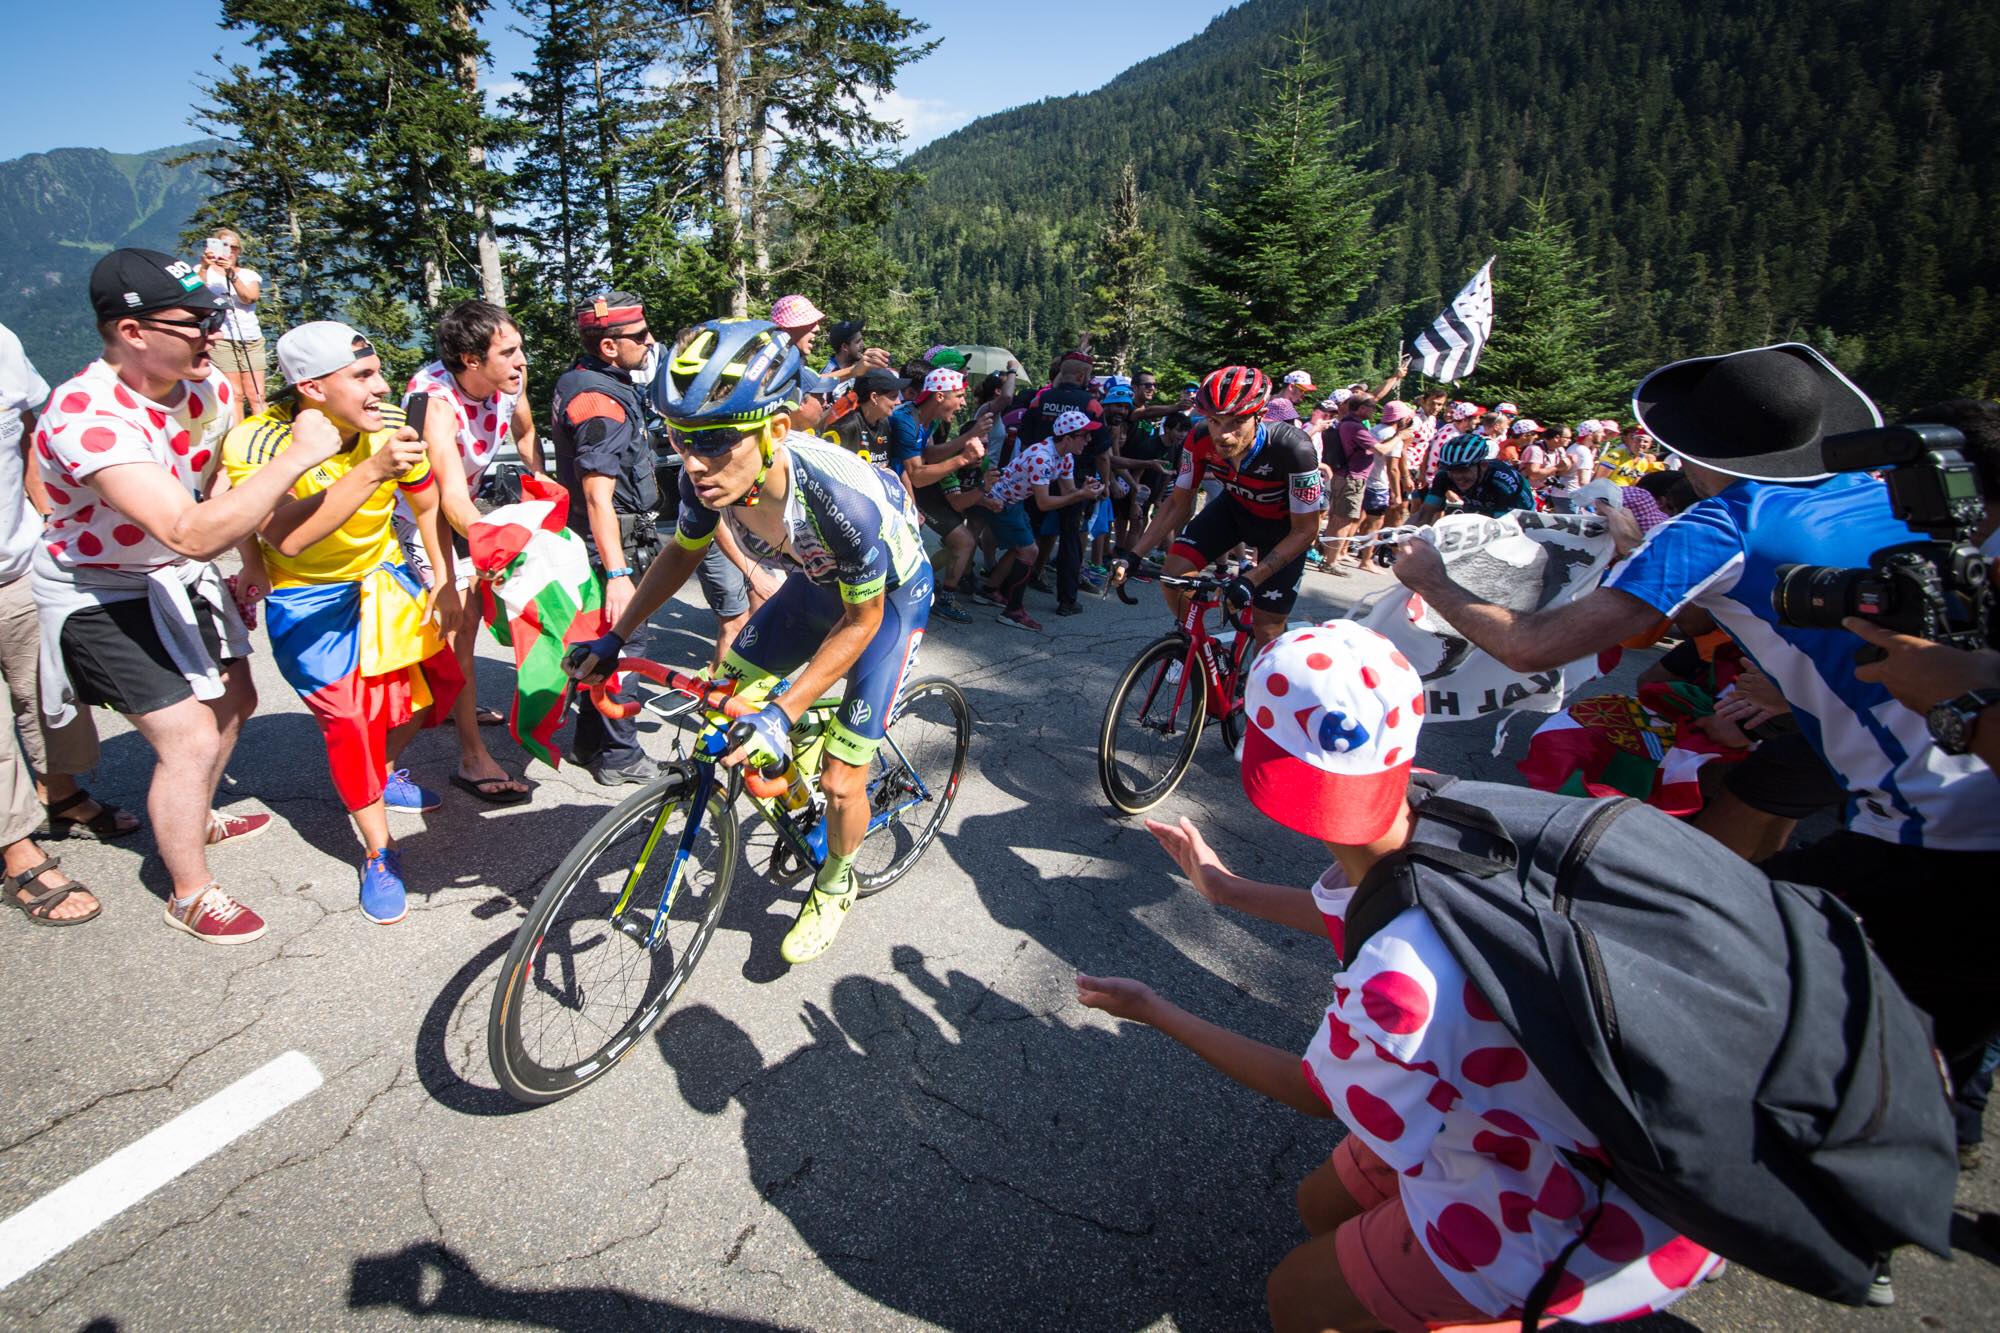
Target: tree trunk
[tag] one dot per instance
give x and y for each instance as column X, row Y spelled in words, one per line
column 607, row 173
column 760, row 184
column 565, row 233
column 492, row 286
column 729, row 137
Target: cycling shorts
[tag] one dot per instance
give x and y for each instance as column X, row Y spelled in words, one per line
column 788, row 629
column 1222, row 525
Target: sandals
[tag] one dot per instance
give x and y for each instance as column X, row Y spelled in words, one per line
column 493, row 791
column 38, row 906
column 102, row 826
column 487, row 717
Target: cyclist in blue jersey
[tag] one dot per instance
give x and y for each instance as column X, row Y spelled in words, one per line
column 853, row 608
column 1470, row 466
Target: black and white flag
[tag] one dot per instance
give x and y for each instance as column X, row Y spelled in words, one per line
column 1449, row 348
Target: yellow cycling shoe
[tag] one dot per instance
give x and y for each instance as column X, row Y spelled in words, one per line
column 820, row 919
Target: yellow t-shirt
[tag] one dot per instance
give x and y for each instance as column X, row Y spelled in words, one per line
column 363, row 542
column 1626, row 466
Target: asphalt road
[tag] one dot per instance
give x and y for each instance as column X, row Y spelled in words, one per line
column 921, row 1129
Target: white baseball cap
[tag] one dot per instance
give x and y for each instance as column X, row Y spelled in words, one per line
column 1507, row 409
column 1301, row 378
column 320, row 348
column 1334, row 714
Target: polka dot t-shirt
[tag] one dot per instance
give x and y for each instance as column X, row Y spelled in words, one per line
column 483, row 423
column 1037, row 465
column 96, row 421
column 1413, row 1060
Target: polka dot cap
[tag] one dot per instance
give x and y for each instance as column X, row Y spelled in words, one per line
column 1334, row 716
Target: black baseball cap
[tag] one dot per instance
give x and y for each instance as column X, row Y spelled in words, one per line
column 137, row 282
column 844, row 330
column 879, row 381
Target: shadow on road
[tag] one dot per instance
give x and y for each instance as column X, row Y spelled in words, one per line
column 430, row 1279
column 1003, row 1169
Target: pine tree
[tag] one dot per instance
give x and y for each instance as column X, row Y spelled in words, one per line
column 1551, row 325
column 1126, row 298
column 1286, row 240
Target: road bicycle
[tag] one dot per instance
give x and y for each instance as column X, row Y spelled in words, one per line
column 1168, row 694
column 620, row 926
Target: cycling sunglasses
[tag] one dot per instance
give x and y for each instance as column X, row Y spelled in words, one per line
column 210, row 322
column 711, row 441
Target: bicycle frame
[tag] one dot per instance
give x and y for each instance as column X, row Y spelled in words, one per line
column 1203, row 654
column 698, row 769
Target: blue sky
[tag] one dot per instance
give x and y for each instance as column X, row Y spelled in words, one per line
column 122, row 74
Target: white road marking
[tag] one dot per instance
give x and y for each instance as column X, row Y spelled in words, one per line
column 65, row 1215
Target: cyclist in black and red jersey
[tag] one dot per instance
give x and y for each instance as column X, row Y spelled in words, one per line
column 1270, row 500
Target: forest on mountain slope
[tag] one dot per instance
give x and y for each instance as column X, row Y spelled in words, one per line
column 1735, row 171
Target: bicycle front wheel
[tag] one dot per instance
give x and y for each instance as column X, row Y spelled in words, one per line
column 913, row 780
column 606, row 946
column 1150, row 727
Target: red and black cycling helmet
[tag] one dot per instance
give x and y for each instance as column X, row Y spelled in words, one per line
column 1233, row 391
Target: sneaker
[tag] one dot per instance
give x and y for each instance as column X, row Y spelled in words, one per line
column 946, row 605
column 382, row 898
column 820, row 918
column 1314, row 558
column 1970, row 1155
column 235, row 828
column 982, row 595
column 1093, row 584
column 639, row 772
column 1041, row 584
column 399, row 793
column 1098, row 571
column 1881, row 1291
column 213, row 917
column 1019, row 620
column 1069, row 609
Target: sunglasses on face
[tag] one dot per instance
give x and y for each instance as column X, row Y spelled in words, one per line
column 210, row 322
column 640, row 335
column 711, row 443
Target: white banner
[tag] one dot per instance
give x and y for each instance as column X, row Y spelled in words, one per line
column 1525, row 561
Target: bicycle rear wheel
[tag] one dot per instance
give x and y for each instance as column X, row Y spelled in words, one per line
column 913, row 780
column 1150, row 727
column 582, row 983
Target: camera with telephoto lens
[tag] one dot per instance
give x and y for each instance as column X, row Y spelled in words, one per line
column 1936, row 589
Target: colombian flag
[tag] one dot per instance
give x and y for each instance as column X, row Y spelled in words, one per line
column 365, row 658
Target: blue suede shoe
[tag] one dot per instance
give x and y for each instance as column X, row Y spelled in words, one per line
column 399, row 793
column 382, row 898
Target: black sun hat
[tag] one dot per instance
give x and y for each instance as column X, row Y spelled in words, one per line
column 1759, row 414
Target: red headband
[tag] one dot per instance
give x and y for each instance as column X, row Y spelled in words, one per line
column 603, row 315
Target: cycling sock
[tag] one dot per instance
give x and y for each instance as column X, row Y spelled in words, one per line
column 835, row 874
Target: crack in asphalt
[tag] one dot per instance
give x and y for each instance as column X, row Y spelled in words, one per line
column 65, row 1116
column 1021, row 1191
column 659, row 1220
column 186, row 1223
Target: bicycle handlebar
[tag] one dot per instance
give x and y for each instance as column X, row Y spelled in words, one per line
column 1207, row 587
column 764, row 784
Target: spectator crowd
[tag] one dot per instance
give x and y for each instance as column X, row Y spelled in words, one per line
column 341, row 504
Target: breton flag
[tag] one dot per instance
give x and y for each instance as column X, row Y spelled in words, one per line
column 1450, row 347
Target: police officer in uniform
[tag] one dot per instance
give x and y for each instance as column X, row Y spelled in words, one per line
column 604, row 457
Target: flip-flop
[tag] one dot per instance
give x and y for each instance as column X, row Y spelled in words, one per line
column 37, row 906
column 487, row 717
column 483, row 789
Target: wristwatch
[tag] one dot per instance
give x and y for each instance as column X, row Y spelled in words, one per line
column 1952, row 722
column 622, row 572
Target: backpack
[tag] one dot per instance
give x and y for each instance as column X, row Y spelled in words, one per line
column 1758, row 1080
